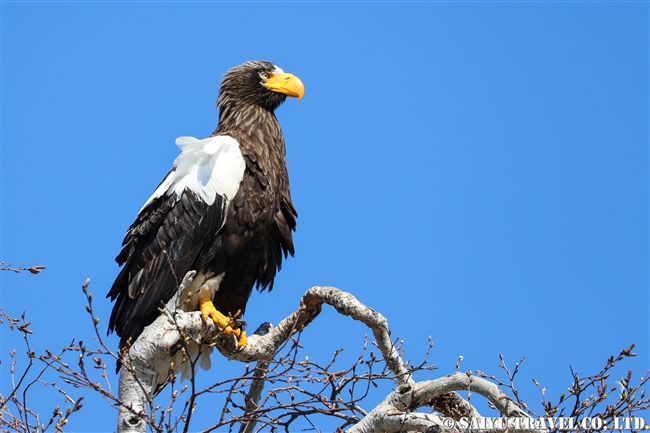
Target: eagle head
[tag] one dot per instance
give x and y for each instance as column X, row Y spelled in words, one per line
column 260, row 83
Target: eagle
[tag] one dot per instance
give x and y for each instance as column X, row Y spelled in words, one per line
column 224, row 210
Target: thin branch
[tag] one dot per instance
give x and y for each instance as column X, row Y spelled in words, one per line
column 32, row 269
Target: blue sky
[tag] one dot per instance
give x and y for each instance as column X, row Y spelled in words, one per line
column 475, row 171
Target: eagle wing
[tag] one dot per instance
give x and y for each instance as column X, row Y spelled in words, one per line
column 176, row 225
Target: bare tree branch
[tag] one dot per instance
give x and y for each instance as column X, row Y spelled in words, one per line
column 399, row 404
column 164, row 337
column 32, row 269
column 253, row 396
column 285, row 390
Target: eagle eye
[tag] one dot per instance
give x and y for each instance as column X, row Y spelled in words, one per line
column 264, row 75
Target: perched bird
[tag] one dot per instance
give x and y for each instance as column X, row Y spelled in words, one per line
column 223, row 210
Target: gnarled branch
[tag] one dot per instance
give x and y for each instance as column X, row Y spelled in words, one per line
column 167, row 335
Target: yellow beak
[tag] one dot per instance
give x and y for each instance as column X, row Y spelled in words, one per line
column 288, row 84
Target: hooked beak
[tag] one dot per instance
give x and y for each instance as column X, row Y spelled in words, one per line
column 285, row 83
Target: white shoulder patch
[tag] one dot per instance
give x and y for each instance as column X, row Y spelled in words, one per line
column 208, row 167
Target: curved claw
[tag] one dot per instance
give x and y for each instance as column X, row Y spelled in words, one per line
column 241, row 324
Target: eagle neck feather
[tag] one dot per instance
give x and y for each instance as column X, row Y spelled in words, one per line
column 260, row 139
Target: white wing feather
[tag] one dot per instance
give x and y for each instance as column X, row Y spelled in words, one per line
column 209, row 167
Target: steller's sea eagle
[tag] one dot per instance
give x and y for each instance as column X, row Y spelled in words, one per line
column 223, row 210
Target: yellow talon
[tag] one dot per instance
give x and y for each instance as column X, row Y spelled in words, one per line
column 243, row 341
column 209, row 311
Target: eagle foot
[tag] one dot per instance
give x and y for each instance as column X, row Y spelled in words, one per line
column 227, row 324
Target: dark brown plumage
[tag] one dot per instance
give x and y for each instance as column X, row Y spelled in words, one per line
column 224, row 209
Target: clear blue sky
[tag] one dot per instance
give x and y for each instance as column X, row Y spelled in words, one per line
column 475, row 171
